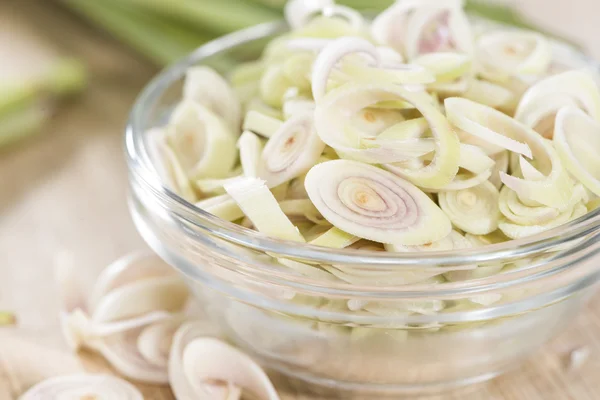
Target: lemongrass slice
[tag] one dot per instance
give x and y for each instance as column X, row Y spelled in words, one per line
column 538, row 106
column 204, row 145
column 501, row 165
column 154, row 342
column 222, row 206
column 335, row 238
column 514, row 52
column 291, row 151
column 83, row 387
column 482, row 270
column 331, row 117
column 515, row 211
column 179, row 384
column 445, row 66
column 302, row 208
column 297, row 105
column 273, row 85
column 154, row 294
column 516, row 231
column 473, row 159
column 405, row 74
column 210, row 360
column 261, row 124
column 256, row 104
column 212, row 187
column 489, row 94
column 474, row 210
column 251, row 148
column 373, row 122
column 577, row 140
column 371, row 203
column 446, row 89
column 466, row 180
column 247, row 72
column 166, row 164
column 333, row 53
column 259, row 204
column 207, row 87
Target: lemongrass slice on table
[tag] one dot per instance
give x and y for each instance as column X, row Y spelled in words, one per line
column 291, row 151
column 261, row 124
column 202, row 142
column 167, row 166
column 445, row 66
column 154, row 341
column 331, row 117
column 577, row 140
column 83, row 387
column 474, row 210
column 476, row 119
column 374, row 204
column 250, row 147
column 514, row 52
column 208, row 360
column 259, row 204
column 539, row 105
column 207, row 87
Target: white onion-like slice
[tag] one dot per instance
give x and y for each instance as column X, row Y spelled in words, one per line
column 99, row 387
column 261, row 124
column 332, row 54
column 251, row 148
column 577, row 140
column 167, row 166
column 514, row 52
column 205, row 86
column 474, row 210
column 331, row 117
column 540, row 103
column 297, row 105
column 445, row 66
column 154, row 341
column 501, row 165
column 335, row 238
column 466, row 180
column 291, row 151
column 371, row 203
column 259, row 204
column 207, row 360
column 202, row 142
column 516, row 231
column 489, row 94
column 473, row 159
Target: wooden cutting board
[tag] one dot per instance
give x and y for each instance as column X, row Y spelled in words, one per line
column 63, row 194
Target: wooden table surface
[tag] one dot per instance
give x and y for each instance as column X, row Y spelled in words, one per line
column 63, row 194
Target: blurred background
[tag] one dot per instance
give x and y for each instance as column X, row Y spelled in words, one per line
column 69, row 72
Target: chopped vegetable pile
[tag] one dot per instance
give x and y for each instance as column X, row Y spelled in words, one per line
column 420, row 130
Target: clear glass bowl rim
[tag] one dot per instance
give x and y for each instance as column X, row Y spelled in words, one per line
column 140, row 165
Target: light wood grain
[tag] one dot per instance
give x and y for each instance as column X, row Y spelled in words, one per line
column 63, row 195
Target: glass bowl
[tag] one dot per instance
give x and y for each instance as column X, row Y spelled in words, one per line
column 296, row 309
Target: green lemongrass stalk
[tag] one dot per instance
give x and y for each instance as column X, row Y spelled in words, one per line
column 153, row 36
column 218, row 16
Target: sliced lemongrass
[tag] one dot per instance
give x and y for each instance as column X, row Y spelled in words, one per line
column 297, row 69
column 476, row 119
column 280, row 191
column 577, row 141
column 154, row 341
column 438, row 28
column 250, row 147
column 541, row 114
column 408, row 148
column 211, row 360
column 259, row 204
column 371, row 122
column 183, row 336
column 483, row 270
column 516, row 231
column 297, row 105
column 304, row 269
column 446, row 89
column 465, row 180
column 474, row 210
column 452, row 241
column 409, row 129
column 121, row 351
column 207, row 87
column 222, row 206
column 374, row 204
column 445, row 66
column 501, row 165
column 335, row 238
column 548, row 95
column 473, row 159
column 273, row 85
column 291, row 151
column 331, row 55
column 261, row 124
column 514, row 52
column 247, row 72
column 83, row 387
column 134, row 299
column 517, row 212
column 302, row 208
column 356, row 276
column 212, row 186
column 131, row 268
column 166, row 164
column 256, row 104
column 298, row 12
column 402, row 74
column 331, row 124
column 489, row 94
column 202, row 142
